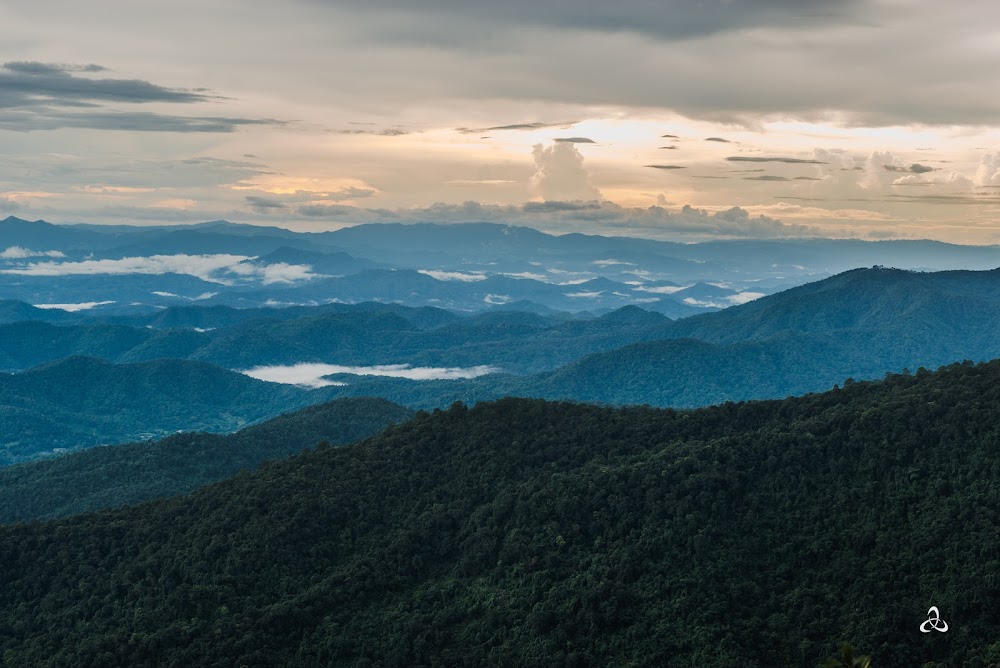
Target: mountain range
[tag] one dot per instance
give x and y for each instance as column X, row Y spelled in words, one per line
column 82, row 402
column 466, row 267
column 859, row 325
column 531, row 533
column 109, row 477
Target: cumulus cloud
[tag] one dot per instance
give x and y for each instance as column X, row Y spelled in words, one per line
column 560, row 173
column 988, row 173
column 873, row 175
column 19, row 253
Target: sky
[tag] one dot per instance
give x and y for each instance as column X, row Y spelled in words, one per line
column 674, row 119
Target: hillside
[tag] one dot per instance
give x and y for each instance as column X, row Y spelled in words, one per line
column 80, row 402
column 98, row 478
column 544, row 534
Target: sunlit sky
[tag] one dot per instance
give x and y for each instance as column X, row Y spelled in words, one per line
column 873, row 119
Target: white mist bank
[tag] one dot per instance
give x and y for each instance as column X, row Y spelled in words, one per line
column 312, row 374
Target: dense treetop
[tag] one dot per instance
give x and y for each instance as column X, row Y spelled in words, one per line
column 106, row 477
column 531, row 533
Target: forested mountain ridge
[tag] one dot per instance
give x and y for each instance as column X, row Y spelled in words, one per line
column 80, row 402
column 533, row 533
column 108, row 477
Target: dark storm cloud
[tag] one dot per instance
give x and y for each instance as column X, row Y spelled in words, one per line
column 790, row 161
column 666, row 19
column 46, row 96
column 576, row 140
column 516, row 126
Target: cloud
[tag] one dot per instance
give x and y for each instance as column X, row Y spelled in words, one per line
column 278, row 272
column 612, row 263
column 478, row 182
column 325, row 210
column 662, row 289
column 561, row 175
column 19, row 253
column 665, row 166
column 556, row 205
column 988, row 173
column 265, row 205
column 669, row 137
column 201, row 266
column 517, row 126
column 718, row 139
column 36, row 68
column 452, row 275
column 766, row 177
column 72, row 308
column 527, row 275
column 26, row 84
column 916, row 168
column 384, row 132
column 664, row 20
column 790, row 161
column 44, row 118
column 314, row 375
column 575, row 140
column 46, row 96
column 597, row 217
column 497, row 299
